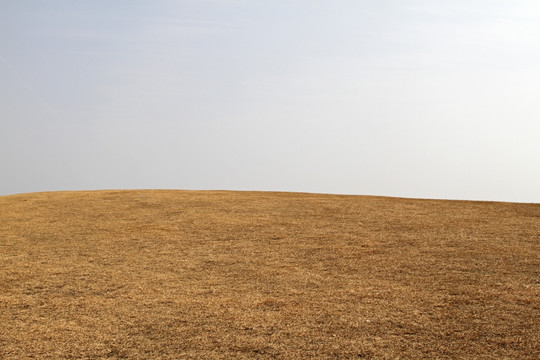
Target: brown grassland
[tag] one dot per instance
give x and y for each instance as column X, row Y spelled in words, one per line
column 257, row 275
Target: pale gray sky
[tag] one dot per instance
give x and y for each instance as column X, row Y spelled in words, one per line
column 416, row 98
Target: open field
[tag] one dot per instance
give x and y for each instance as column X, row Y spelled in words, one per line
column 256, row 275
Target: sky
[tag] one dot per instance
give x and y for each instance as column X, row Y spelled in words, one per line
column 417, row 98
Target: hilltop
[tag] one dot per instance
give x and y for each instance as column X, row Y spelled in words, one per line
column 218, row 275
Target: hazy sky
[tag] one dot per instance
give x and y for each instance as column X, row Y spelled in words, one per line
column 412, row 98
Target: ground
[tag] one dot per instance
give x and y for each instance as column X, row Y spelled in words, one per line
column 260, row 275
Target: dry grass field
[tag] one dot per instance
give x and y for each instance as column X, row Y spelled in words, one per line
column 257, row 275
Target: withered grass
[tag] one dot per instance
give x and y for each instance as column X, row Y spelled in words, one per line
column 257, row 275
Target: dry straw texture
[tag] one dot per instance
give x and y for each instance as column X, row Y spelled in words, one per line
column 253, row 275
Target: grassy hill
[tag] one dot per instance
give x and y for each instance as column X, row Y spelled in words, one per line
column 221, row 275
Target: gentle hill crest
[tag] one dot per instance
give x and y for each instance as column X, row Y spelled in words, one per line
column 224, row 274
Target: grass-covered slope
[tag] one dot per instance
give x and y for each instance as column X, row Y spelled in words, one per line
column 221, row 275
